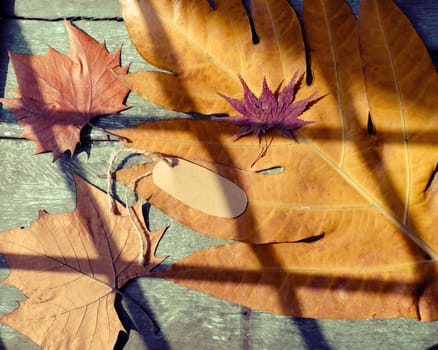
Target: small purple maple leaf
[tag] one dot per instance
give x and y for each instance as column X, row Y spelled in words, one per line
column 272, row 110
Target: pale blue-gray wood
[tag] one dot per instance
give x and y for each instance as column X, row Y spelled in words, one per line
column 50, row 10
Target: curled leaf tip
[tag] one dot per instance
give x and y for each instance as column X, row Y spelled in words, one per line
column 271, row 110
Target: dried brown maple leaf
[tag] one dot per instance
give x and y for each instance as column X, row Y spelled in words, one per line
column 59, row 94
column 371, row 198
column 70, row 267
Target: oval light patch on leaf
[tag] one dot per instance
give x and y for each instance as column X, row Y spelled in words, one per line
column 200, row 188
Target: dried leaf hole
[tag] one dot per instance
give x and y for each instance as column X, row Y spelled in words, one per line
column 271, row 171
column 370, row 126
column 312, row 239
column 254, row 36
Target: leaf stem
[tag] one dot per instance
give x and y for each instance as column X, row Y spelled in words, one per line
column 120, row 137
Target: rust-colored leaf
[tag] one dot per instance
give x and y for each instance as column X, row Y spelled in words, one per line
column 70, row 267
column 59, row 94
column 370, row 192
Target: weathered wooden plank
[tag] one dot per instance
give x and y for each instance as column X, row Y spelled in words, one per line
column 9, row 338
column 33, row 182
column 299, row 333
column 33, row 37
column 58, row 9
column 187, row 319
column 422, row 13
column 24, row 190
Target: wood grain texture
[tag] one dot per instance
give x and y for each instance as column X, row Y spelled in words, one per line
column 47, row 9
column 188, row 319
column 422, row 13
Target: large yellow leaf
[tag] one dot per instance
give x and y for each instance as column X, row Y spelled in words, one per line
column 368, row 185
column 339, row 173
column 284, row 206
